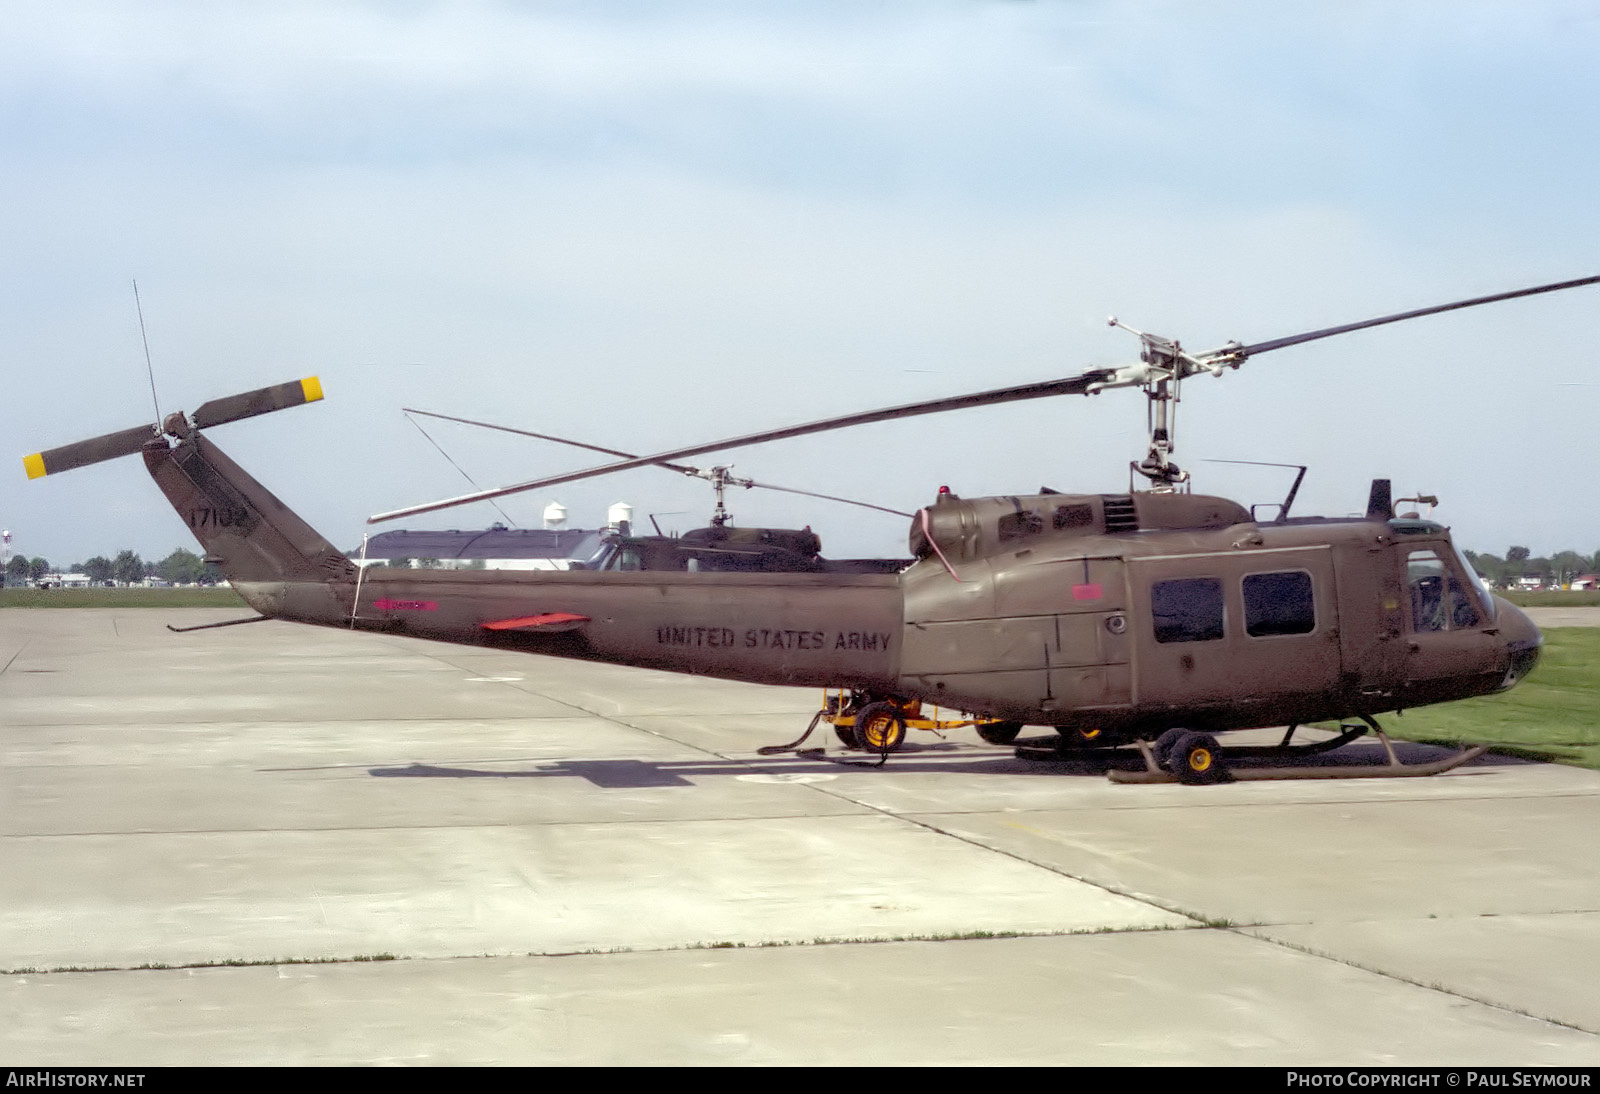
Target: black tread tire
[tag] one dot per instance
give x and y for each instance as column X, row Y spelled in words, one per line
column 999, row 733
column 1163, row 745
column 1196, row 759
column 880, row 727
column 846, row 735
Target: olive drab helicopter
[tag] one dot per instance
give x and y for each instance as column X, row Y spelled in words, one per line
column 1157, row 617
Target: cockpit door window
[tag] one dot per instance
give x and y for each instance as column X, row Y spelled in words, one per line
column 1439, row 599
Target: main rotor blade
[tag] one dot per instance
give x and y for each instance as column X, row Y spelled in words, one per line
column 829, row 497
column 109, row 446
column 684, row 468
column 1329, row 332
column 1071, row 385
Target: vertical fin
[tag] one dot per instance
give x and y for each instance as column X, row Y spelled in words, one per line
column 244, row 528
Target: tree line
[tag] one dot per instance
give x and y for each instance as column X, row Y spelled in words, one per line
column 1558, row 569
column 181, row 567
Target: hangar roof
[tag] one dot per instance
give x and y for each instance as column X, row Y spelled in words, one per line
column 485, row 543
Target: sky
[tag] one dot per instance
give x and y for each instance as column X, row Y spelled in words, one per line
column 648, row 225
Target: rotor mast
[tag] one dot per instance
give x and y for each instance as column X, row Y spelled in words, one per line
column 1163, row 365
column 1160, row 417
column 720, row 480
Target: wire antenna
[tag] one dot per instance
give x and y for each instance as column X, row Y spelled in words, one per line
column 1283, row 510
column 149, row 368
column 456, row 465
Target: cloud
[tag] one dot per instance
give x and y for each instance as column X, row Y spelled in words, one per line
column 650, row 224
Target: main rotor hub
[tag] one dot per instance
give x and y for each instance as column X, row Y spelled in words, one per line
column 1164, row 365
column 720, row 480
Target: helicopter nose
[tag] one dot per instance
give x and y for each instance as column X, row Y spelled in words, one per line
column 1522, row 642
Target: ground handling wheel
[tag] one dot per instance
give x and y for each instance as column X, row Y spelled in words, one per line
column 1163, row 745
column 880, row 727
column 1079, row 738
column 998, row 733
column 1195, row 759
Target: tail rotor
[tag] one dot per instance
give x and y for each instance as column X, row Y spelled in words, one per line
column 126, row 442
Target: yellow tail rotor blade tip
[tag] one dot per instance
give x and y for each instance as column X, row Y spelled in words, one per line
column 34, row 465
column 312, row 387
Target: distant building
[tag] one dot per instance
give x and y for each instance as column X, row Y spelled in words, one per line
column 496, row 548
column 64, row 581
column 1586, row 581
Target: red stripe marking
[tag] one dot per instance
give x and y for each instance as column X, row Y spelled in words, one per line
column 406, row 605
column 547, row 620
column 1087, row 592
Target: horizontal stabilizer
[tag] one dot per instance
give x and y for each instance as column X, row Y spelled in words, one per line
column 261, row 401
column 83, row 453
column 548, row 623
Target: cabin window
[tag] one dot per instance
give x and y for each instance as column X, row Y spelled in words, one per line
column 1187, row 610
column 1279, row 603
column 1439, row 601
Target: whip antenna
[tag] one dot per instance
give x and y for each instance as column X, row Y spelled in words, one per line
column 149, row 368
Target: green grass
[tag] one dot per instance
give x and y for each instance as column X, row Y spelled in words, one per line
column 1552, row 715
column 221, row 596
column 1556, row 598
column 225, row 963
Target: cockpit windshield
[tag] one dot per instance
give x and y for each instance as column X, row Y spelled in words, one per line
column 1475, row 581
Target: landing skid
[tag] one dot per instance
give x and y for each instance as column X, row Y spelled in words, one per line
column 1227, row 771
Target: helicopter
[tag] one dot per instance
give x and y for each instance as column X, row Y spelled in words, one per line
column 719, row 546
column 1157, row 617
